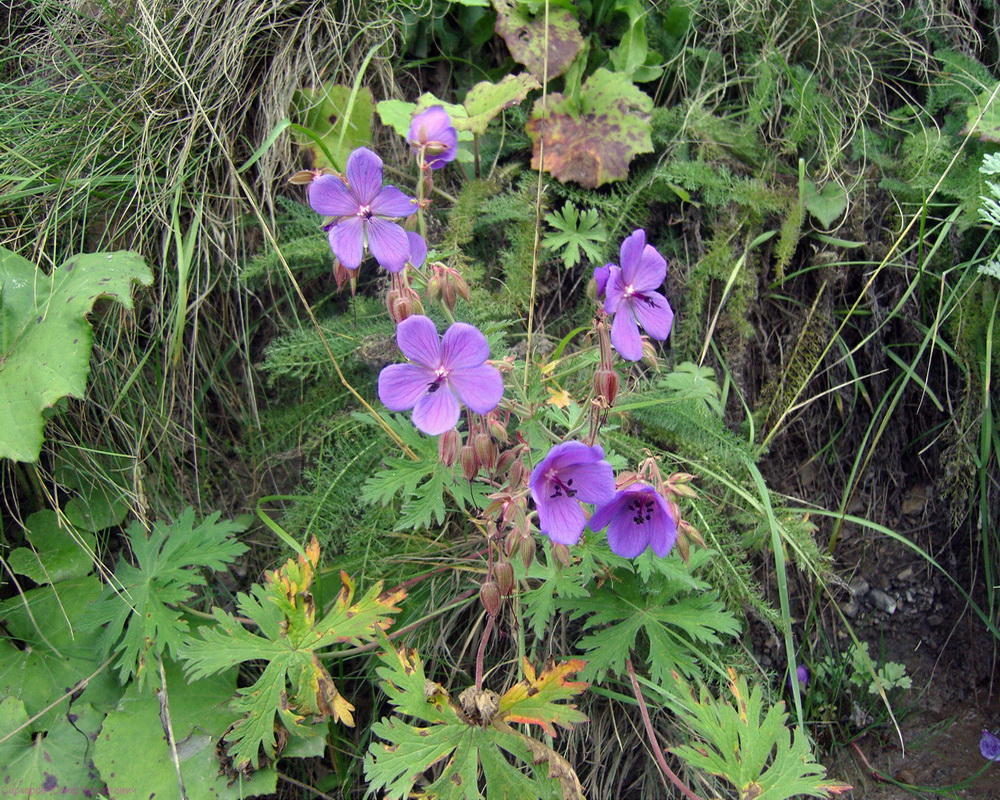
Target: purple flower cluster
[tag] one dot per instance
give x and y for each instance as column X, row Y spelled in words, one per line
column 630, row 295
column 636, row 517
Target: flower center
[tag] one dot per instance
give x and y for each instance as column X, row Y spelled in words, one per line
column 642, row 507
column 559, row 486
column 440, row 376
column 365, row 212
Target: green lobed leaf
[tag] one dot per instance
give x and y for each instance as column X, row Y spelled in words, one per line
column 132, row 749
column 139, row 610
column 57, row 553
column 54, row 760
column 825, row 205
column 486, row 100
column 295, row 690
column 45, row 339
column 575, row 232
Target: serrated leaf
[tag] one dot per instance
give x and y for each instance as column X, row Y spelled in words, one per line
column 749, row 745
column 594, row 142
column 295, row 687
column 673, row 624
column 541, row 42
column 558, row 583
column 56, row 553
column 132, row 749
column 472, row 738
column 45, row 339
column 536, row 699
column 139, row 610
column 575, row 232
column 328, row 113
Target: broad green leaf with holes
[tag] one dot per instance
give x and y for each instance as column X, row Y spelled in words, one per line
column 54, row 759
column 45, row 339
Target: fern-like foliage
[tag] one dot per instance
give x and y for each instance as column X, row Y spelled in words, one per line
column 139, row 608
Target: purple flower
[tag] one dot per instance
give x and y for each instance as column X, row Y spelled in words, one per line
column 989, row 746
column 440, row 369
column 802, row 675
column 633, row 299
column 432, row 132
column 418, row 249
column 362, row 206
column 571, row 473
column 637, row 517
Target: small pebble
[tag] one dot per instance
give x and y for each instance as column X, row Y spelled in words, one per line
column 882, row 601
column 850, row 608
column 858, row 586
column 905, row 575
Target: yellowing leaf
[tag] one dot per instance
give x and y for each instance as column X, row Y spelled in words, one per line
column 559, row 398
column 593, row 143
column 533, row 701
column 533, row 43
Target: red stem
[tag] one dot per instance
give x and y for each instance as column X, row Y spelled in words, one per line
column 657, row 750
column 481, row 653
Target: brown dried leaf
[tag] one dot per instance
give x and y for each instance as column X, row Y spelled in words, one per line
column 526, row 37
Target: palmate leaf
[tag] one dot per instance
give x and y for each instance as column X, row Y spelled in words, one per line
column 750, row 745
column 45, row 339
column 472, row 738
column 294, row 687
column 674, row 620
column 575, row 231
column 139, row 609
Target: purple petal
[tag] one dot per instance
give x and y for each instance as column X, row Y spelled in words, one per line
column 661, row 530
column 614, row 289
column 480, row 388
column 418, row 249
column 391, row 202
column 400, row 386
column 625, row 335
column 604, row 514
column 433, row 131
column 463, row 346
column 654, row 314
column 388, row 243
column 436, row 412
column 418, row 339
column 560, row 518
column 650, row 272
column 347, row 241
column 594, row 483
column 631, row 252
column 626, row 538
column 330, row 196
column 989, row 746
column 364, row 174
column 601, row 277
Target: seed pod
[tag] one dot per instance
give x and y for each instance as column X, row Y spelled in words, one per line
column 497, row 429
column 503, row 572
column 460, row 286
column 489, row 596
column 433, row 287
column 341, row 274
column 448, row 446
column 486, row 451
column 649, row 356
column 606, row 383
column 401, row 309
column 448, row 296
column 527, row 548
column 469, row 462
column 560, row 553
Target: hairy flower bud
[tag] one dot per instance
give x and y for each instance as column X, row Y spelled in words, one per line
column 448, row 446
column 503, row 573
column 461, row 287
column 527, row 549
column 497, row 429
column 434, row 287
column 489, row 596
column 486, row 451
column 341, row 274
column 606, row 384
column 649, row 356
column 469, row 461
column 448, row 296
column 560, row 553
column 405, row 307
